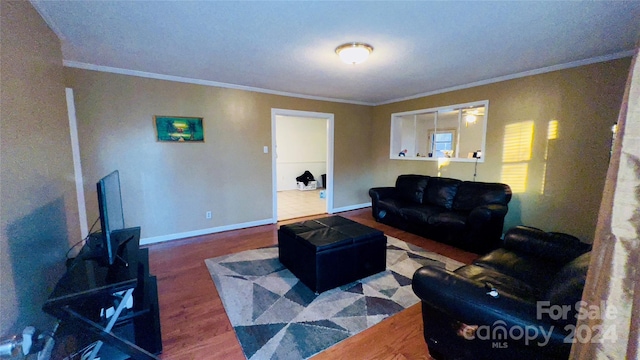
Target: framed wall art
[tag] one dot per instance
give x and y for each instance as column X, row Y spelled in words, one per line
column 179, row 128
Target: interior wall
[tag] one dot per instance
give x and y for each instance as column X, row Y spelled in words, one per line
column 563, row 176
column 301, row 146
column 168, row 187
column 39, row 215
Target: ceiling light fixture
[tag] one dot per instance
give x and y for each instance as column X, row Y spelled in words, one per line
column 470, row 119
column 354, row 53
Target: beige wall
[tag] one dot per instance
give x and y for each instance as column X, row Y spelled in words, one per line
column 38, row 211
column 168, row 187
column 585, row 101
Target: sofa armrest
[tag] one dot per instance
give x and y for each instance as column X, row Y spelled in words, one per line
column 379, row 193
column 468, row 302
column 553, row 246
column 484, row 226
column 488, row 213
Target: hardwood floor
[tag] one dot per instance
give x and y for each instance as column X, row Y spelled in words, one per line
column 195, row 325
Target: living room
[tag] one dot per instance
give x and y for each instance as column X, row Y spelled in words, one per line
column 167, row 188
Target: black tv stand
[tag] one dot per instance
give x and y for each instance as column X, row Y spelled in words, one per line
column 121, row 247
column 90, row 288
column 94, row 248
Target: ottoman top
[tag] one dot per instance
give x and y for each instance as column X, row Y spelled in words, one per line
column 330, row 232
column 324, row 239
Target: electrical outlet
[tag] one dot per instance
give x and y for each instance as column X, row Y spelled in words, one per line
column 208, row 214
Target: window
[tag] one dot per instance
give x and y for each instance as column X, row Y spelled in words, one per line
column 442, row 143
column 516, row 154
column 454, row 132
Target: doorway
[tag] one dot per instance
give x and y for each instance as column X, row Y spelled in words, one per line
column 299, row 159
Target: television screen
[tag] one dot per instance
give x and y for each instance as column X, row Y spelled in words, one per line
column 111, row 215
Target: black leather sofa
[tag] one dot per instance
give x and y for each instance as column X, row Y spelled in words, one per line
column 517, row 302
column 467, row 214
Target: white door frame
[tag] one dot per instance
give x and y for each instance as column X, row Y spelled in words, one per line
column 77, row 165
column 308, row 114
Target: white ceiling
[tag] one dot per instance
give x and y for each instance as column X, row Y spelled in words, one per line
column 288, row 47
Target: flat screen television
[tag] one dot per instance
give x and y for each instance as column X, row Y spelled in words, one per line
column 111, row 215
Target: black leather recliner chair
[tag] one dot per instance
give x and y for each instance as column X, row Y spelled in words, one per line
column 517, row 302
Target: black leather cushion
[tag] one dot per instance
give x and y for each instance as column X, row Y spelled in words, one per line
column 576, row 249
column 522, row 266
column 411, row 187
column 358, row 232
column 441, row 192
column 567, row 286
column 325, row 239
column 333, row 221
column 473, row 194
column 394, row 206
column 420, row 213
column 558, row 247
column 301, row 227
column 449, row 218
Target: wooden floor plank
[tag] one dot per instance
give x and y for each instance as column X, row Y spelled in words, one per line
column 195, row 325
column 397, row 337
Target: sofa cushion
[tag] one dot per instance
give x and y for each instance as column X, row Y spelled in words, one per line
column 522, row 266
column 411, row 187
column 449, row 218
column 420, row 213
column 441, row 192
column 394, row 205
column 473, row 194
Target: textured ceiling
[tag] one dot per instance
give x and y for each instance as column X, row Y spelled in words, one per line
column 288, row 47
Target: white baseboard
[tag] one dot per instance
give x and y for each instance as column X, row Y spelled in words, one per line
column 351, row 207
column 188, row 234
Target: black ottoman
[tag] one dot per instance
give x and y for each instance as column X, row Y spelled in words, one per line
column 328, row 252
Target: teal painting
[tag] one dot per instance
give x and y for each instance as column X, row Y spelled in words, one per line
column 179, row 129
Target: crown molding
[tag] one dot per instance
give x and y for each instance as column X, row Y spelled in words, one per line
column 569, row 65
column 150, row 75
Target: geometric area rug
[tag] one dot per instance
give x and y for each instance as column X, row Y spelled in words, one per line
column 275, row 316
